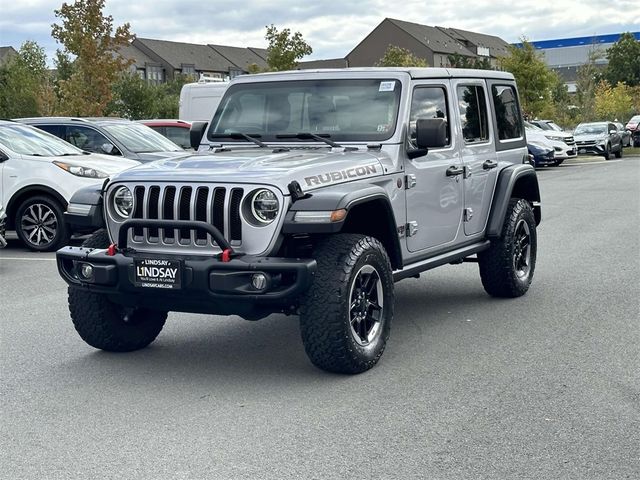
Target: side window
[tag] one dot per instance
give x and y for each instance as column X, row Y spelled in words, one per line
column 86, row 138
column 428, row 102
column 473, row 113
column 508, row 118
column 56, row 130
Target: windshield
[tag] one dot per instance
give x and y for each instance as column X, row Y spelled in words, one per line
column 591, row 129
column 343, row 110
column 531, row 126
column 27, row 140
column 555, row 126
column 140, row 138
column 543, row 126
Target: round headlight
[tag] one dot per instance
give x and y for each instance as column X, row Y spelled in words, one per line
column 123, row 202
column 264, row 206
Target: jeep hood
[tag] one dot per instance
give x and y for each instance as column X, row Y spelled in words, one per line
column 311, row 168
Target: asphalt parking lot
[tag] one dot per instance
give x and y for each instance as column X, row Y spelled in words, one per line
column 546, row 386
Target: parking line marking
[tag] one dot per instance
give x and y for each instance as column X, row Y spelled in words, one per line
column 593, row 163
column 28, row 259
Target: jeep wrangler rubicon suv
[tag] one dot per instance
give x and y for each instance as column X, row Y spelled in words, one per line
column 311, row 193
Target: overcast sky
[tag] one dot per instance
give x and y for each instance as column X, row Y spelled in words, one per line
column 331, row 27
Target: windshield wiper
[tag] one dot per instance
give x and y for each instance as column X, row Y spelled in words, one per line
column 240, row 136
column 310, row 136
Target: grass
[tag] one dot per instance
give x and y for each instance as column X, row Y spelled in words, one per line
column 632, row 151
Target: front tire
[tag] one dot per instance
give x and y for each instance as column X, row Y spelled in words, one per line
column 106, row 325
column 346, row 315
column 39, row 224
column 506, row 268
column 619, row 152
column 607, row 152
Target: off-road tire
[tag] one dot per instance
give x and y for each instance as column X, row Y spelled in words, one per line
column 619, row 152
column 62, row 233
column 326, row 309
column 498, row 270
column 107, row 326
column 101, row 323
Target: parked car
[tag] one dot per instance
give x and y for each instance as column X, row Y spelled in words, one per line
column 331, row 187
column 199, row 100
column 624, row 134
column 39, row 173
column 175, row 130
column 598, row 138
column 633, row 125
column 110, row 136
column 547, row 125
column 3, row 225
column 542, row 154
column 561, row 142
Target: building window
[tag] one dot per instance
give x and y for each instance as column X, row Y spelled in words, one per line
column 189, row 70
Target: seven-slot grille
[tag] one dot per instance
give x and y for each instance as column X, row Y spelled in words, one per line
column 216, row 205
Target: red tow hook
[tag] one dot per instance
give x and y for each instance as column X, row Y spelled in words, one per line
column 112, row 249
column 226, row 255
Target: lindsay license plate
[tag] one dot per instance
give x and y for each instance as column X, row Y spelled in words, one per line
column 155, row 273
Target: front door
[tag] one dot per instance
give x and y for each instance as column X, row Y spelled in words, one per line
column 434, row 196
column 478, row 152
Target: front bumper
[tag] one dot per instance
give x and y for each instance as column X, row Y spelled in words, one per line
column 208, row 284
column 590, row 149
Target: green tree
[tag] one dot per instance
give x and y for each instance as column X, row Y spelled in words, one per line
column 133, row 98
column 624, row 61
column 588, row 76
column 400, row 57
column 460, row 61
column 533, row 76
column 91, row 37
column 285, row 49
column 612, row 103
column 23, row 83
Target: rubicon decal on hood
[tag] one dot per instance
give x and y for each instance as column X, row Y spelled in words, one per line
column 340, row 175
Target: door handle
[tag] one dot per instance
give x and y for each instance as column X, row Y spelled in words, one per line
column 453, row 171
column 489, row 164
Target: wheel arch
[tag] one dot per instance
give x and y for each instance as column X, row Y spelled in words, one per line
column 516, row 181
column 30, row 191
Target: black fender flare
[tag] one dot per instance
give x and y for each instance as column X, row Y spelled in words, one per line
column 347, row 196
column 519, row 181
column 93, row 217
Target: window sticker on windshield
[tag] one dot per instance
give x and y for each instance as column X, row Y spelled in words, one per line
column 387, row 86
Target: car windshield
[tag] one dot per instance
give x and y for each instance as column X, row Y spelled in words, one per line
column 140, row 138
column 635, row 119
column 27, row 140
column 591, row 129
column 543, row 126
column 555, row 126
column 531, row 126
column 342, row 110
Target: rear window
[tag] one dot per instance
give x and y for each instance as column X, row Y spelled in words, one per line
column 508, row 116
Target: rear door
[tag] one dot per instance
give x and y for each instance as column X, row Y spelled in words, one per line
column 477, row 150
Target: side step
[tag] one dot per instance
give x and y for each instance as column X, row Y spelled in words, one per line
column 442, row 259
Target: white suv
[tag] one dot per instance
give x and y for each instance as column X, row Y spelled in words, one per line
column 38, row 174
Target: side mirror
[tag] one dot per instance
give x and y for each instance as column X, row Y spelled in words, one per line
column 431, row 132
column 612, row 132
column 107, row 148
column 196, row 133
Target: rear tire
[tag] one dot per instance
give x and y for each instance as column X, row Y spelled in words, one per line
column 346, row 315
column 39, row 224
column 506, row 268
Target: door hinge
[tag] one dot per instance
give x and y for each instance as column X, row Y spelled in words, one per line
column 468, row 214
column 410, row 181
column 412, row 228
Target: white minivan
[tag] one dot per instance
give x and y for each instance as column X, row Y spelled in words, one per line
column 198, row 101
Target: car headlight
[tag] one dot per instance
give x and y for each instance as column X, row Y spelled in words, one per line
column 264, row 206
column 553, row 138
column 123, row 202
column 80, row 171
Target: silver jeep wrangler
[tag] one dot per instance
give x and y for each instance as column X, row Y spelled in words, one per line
column 311, row 193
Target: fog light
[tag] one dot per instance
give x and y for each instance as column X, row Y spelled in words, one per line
column 259, row 281
column 86, row 271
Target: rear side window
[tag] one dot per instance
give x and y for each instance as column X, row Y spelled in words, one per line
column 57, row 130
column 428, row 102
column 508, row 117
column 472, row 106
